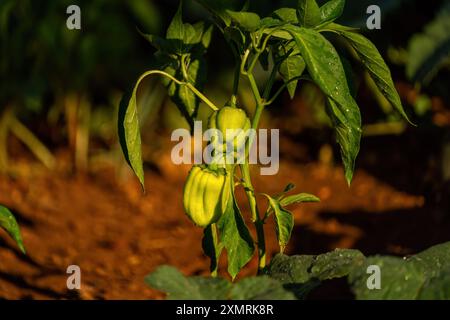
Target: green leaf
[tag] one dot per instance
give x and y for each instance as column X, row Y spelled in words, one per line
column 437, row 288
column 303, row 273
column 399, row 280
column 434, row 259
column 331, row 10
column 425, row 275
column 260, row 288
column 308, row 13
column 269, row 22
column 284, row 222
column 376, row 67
column 348, row 136
column 291, row 269
column 290, row 68
column 209, row 249
column 178, row 287
column 248, row 21
column 429, row 50
column 176, row 27
column 336, row 264
column 325, row 68
column 236, row 238
column 129, row 130
column 193, row 33
column 186, row 101
column 286, row 14
column 298, row 198
column 9, row 223
column 206, row 36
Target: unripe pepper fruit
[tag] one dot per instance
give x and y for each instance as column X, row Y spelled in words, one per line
column 230, row 118
column 206, row 194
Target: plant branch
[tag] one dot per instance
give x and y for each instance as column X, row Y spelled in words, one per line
column 200, row 95
column 245, row 170
column 280, row 90
column 216, row 249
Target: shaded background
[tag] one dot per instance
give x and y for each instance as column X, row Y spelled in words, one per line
column 63, row 175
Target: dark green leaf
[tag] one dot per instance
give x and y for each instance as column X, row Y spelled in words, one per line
column 303, row 273
column 399, row 280
column 193, row 33
column 209, row 249
column 206, row 37
column 376, row 67
column 308, row 13
column 286, row 15
column 421, row 276
column 129, row 130
column 298, row 198
column 176, row 27
column 437, row 288
column 9, row 223
column 290, row 68
column 325, row 68
column 291, row 269
column 186, row 101
column 331, row 10
column 348, row 136
column 336, row 264
column 269, row 22
column 248, row 21
column 433, row 259
column 284, row 222
column 178, row 287
column 236, row 238
column 260, row 288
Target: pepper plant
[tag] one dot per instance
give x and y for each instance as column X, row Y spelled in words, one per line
column 291, row 44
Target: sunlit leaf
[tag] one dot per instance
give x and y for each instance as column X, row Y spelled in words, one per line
column 9, row 223
column 308, row 13
column 286, row 14
column 298, row 198
column 236, row 238
column 377, row 68
column 331, row 10
column 325, row 68
column 284, row 222
column 248, row 21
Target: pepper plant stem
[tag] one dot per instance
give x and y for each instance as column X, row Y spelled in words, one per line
column 191, row 87
column 249, row 190
column 216, row 248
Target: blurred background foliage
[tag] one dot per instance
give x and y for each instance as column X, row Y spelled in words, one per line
column 60, row 88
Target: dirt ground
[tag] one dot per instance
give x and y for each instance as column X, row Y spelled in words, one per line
column 102, row 222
